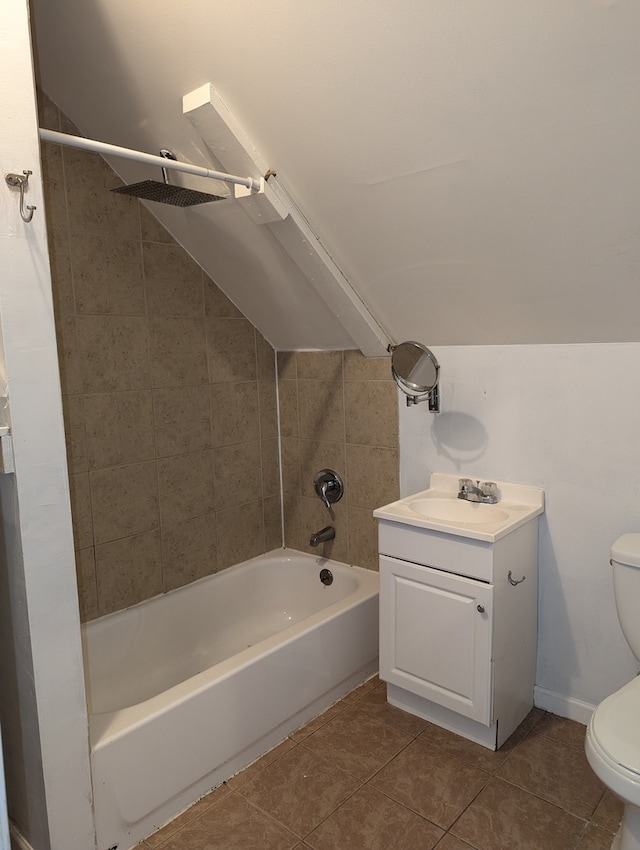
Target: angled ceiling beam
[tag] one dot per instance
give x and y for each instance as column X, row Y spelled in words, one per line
column 230, row 145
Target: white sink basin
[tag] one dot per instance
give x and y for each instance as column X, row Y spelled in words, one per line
column 439, row 509
column 458, row 510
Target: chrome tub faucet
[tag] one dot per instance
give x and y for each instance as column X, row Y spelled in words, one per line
column 323, row 536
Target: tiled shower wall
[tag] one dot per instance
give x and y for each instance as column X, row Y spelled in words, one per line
column 170, row 413
column 338, row 410
column 168, row 396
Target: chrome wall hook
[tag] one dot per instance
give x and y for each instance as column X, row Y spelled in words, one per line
column 21, row 181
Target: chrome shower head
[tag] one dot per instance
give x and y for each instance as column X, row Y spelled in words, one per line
column 166, row 193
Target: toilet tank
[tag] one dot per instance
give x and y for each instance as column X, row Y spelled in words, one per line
column 625, row 562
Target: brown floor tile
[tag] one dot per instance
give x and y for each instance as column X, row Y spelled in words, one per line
column 317, row 722
column 504, row 817
column 232, row 824
column 568, row 732
column 299, row 790
column 190, row 814
column 371, row 820
column 260, row 764
column 595, row 838
column 450, row 842
column 357, row 742
column 469, row 751
column 556, row 772
column 431, row 782
column 374, row 702
column 608, row 813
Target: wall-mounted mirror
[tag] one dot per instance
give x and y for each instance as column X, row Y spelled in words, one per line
column 416, row 370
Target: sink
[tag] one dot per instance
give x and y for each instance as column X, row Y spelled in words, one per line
column 439, row 509
column 458, row 510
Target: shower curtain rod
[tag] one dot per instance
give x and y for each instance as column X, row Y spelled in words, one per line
column 255, row 185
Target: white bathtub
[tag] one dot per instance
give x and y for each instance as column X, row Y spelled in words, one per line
column 188, row 688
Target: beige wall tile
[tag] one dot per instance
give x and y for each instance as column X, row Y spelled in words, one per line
column 290, row 466
column 87, row 584
column 151, row 230
column 266, row 359
column 216, row 302
column 81, row 510
column 61, row 276
column 287, row 365
column 293, row 521
column 234, row 413
column 270, row 467
column 231, row 347
column 321, row 410
column 371, row 413
column 320, row 365
column 178, row 351
column 107, row 274
column 237, row 474
column 188, row 551
column 373, row 476
column 124, row 501
column 119, row 428
column 91, row 206
column 185, row 486
column 172, row 281
column 357, row 367
column 240, row 533
column 69, row 358
column 128, row 571
column 74, row 429
column 272, row 523
column 114, row 353
column 182, row 420
column 363, row 538
column 268, row 409
column 288, row 392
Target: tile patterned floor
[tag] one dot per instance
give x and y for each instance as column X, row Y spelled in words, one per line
column 367, row 776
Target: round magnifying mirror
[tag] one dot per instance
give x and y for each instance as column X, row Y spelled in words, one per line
column 414, row 368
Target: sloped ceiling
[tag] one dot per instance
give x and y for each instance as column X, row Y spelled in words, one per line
column 471, row 167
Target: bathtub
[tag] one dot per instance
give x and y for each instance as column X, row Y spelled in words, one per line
column 186, row 689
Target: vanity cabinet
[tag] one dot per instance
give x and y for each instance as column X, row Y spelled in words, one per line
column 458, row 625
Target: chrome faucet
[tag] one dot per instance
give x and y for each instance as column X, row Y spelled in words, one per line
column 325, row 534
column 487, row 492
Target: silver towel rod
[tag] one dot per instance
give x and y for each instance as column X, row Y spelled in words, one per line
column 253, row 184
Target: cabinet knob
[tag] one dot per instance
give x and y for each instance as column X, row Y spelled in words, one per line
column 480, row 609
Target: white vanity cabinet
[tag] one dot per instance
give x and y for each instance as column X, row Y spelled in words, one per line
column 458, row 623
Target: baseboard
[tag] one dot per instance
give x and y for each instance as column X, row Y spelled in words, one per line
column 564, row 706
column 18, row 841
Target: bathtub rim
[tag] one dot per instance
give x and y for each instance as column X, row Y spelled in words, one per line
column 106, row 727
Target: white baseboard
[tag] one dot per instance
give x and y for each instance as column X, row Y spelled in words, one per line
column 564, row 706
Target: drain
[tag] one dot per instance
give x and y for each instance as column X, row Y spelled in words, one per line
column 326, row 577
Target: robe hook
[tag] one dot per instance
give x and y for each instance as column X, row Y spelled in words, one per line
column 20, row 181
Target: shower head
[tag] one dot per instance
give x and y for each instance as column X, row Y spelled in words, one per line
column 166, row 193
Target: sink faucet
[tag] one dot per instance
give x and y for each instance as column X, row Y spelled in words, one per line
column 485, row 492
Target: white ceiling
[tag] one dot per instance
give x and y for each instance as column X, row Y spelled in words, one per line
column 471, row 167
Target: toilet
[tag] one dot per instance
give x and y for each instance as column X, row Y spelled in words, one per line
column 612, row 742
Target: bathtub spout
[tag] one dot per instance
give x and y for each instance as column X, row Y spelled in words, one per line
column 327, row 533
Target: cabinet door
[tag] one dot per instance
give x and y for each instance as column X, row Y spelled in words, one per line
column 435, row 636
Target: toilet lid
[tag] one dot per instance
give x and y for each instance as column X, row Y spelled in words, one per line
column 615, row 725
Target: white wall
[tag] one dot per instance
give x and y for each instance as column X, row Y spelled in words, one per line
column 566, row 418
column 42, row 701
